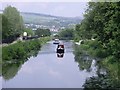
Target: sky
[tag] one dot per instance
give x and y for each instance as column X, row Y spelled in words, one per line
column 65, row 9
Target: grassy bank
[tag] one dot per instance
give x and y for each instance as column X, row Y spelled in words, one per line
column 15, row 55
column 22, row 50
column 104, row 60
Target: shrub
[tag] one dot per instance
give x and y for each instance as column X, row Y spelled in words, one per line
column 20, row 50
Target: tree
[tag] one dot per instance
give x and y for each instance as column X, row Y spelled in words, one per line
column 42, row 32
column 6, row 31
column 102, row 20
column 66, row 34
column 29, row 31
column 12, row 23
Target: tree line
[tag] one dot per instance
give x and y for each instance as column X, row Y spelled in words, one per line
column 43, row 32
column 66, row 34
column 13, row 26
column 100, row 29
column 102, row 23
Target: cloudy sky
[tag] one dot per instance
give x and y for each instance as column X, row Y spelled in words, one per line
column 66, row 9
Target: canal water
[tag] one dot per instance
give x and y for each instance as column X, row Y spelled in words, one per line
column 46, row 70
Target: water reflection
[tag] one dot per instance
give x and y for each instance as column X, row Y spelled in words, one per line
column 83, row 59
column 48, row 71
column 102, row 79
column 60, row 50
column 10, row 68
column 60, row 55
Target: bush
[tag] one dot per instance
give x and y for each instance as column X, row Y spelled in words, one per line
column 20, row 50
column 98, row 83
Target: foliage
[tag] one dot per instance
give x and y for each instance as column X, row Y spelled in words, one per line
column 14, row 55
column 66, row 34
column 98, row 83
column 101, row 23
column 19, row 50
column 113, row 68
column 84, row 60
column 12, row 24
column 42, row 32
column 29, row 31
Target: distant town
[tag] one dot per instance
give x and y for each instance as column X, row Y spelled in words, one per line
column 35, row 26
column 53, row 23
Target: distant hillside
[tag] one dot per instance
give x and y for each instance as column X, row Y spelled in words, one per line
column 49, row 20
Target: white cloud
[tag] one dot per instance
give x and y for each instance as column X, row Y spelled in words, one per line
column 54, row 73
column 44, row 6
column 33, row 67
column 69, row 9
column 45, row 0
column 51, row 8
column 58, row 10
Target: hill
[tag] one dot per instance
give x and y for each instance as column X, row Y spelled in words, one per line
column 49, row 20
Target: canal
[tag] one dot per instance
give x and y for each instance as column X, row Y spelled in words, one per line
column 46, row 70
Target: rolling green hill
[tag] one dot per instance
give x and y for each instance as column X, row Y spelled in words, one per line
column 49, row 20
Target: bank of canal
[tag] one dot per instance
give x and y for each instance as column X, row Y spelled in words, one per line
column 46, row 70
